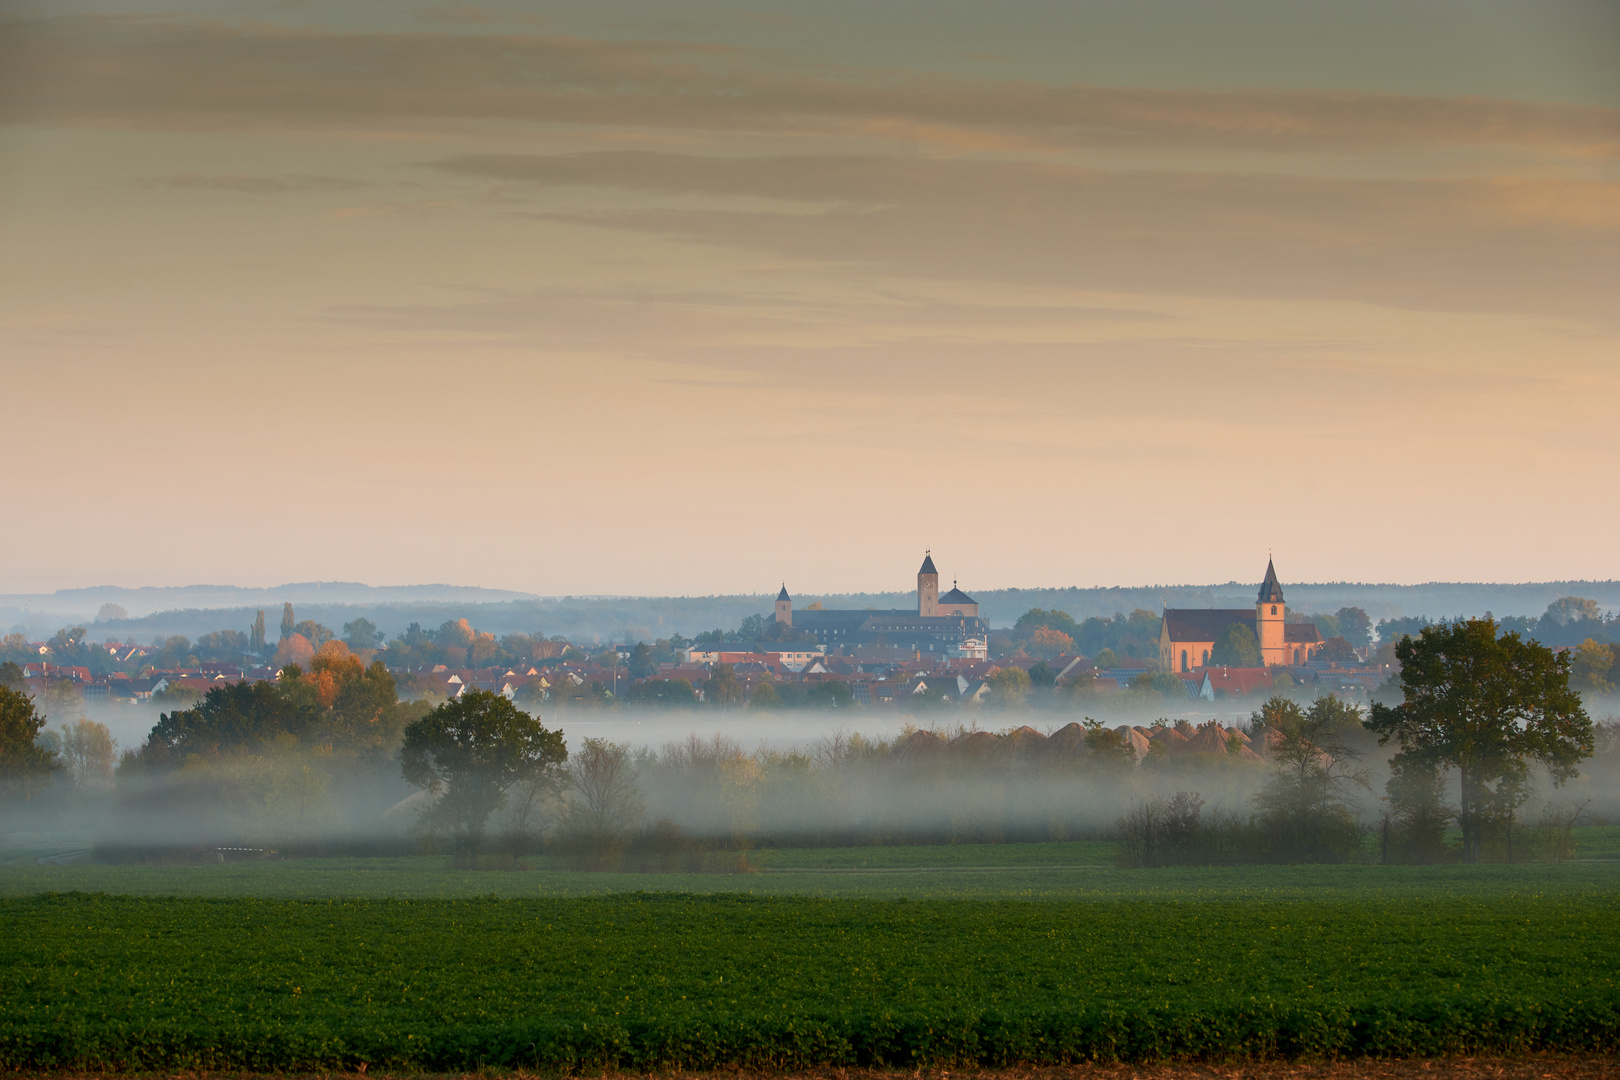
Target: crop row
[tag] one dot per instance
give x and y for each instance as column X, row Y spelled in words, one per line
column 681, row 981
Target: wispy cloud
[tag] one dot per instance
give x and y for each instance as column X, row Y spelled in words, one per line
column 1476, row 245
column 256, row 185
column 173, row 72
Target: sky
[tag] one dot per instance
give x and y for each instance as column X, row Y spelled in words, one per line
column 627, row 297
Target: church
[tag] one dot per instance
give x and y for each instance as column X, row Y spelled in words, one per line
column 944, row 625
column 1188, row 635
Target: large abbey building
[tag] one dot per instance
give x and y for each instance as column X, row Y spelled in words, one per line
column 947, row 625
column 1188, row 635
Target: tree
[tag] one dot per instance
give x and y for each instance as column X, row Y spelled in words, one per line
column 829, row 694
column 67, row 646
column 1047, row 642
column 466, row 753
column 314, row 633
column 11, row 676
column 1572, row 609
column 1037, row 619
column 110, row 611
column 607, row 806
column 1236, row 647
column 765, row 697
column 1305, row 806
column 88, row 751
column 361, row 633
column 1009, row 686
column 287, row 620
column 294, row 649
column 1591, row 665
column 1486, row 706
column 1337, row 649
column 752, row 628
column 1418, row 814
column 256, row 640
column 23, row 764
column 642, row 663
column 1355, row 626
column 723, row 688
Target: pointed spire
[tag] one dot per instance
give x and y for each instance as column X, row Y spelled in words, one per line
column 928, row 564
column 1271, row 588
column 781, row 596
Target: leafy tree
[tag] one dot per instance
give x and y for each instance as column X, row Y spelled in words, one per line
column 1328, row 624
column 24, row 765
column 1105, row 660
column 1041, row 676
column 88, row 751
column 1591, row 665
column 467, row 753
column 361, row 633
column 288, row 623
column 1572, row 609
column 1418, row 814
column 1486, row 706
column 1009, row 686
column 1236, row 647
column 295, row 648
column 667, row 692
column 765, row 697
column 14, row 649
column 221, row 646
column 314, row 633
column 829, row 694
column 1305, row 806
column 1336, row 649
column 455, row 633
column 110, row 611
column 642, row 663
column 67, row 647
column 723, row 689
column 172, row 652
column 256, row 640
column 1036, row 619
column 752, row 628
column 1047, row 642
column 11, row 676
column 1355, row 626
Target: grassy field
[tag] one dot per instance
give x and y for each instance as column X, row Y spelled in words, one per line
column 966, row 954
column 649, row 980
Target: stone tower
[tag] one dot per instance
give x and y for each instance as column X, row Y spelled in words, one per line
column 928, row 587
column 784, row 607
column 1270, row 618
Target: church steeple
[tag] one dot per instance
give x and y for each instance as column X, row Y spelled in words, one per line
column 784, row 607
column 1271, row 588
column 1270, row 619
column 928, row 587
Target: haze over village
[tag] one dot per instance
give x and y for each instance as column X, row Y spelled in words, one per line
column 748, row 539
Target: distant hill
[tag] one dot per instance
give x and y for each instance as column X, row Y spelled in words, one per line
column 197, row 610
column 148, row 599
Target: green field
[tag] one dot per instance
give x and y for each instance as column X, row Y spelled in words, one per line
column 892, row 956
column 643, row 981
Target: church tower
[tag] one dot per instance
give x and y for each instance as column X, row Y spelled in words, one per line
column 1270, row 618
column 784, row 607
column 928, row 587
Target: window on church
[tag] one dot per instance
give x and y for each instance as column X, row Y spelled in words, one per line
column 1274, row 609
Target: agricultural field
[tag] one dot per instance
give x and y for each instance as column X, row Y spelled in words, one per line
column 1189, row 964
